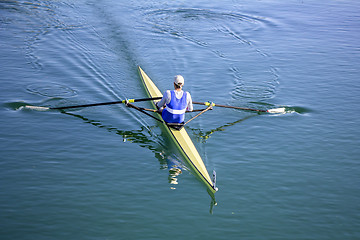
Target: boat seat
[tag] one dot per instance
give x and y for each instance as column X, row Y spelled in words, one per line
column 176, row 126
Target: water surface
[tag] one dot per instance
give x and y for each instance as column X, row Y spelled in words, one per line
column 105, row 172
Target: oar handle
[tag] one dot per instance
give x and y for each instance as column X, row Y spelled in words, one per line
column 227, row 106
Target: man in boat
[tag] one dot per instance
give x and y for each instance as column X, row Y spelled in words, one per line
column 175, row 102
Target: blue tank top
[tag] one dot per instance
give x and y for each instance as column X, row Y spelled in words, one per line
column 175, row 109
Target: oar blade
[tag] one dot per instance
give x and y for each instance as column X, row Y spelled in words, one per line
column 277, row 110
column 36, row 108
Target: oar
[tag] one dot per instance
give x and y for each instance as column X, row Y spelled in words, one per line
column 274, row 110
column 91, row 105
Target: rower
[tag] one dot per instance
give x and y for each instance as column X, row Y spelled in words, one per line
column 175, row 103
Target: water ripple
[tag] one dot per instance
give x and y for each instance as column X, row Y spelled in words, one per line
column 224, row 34
column 259, row 85
column 179, row 22
column 53, row 90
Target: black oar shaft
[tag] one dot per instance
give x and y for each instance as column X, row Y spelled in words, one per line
column 226, row 106
column 108, row 103
column 87, row 105
column 143, row 111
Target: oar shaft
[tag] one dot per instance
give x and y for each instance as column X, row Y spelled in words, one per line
column 227, row 106
column 88, row 105
column 108, row 103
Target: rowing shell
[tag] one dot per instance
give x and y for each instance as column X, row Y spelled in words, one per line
column 180, row 137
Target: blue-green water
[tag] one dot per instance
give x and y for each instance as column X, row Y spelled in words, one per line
column 102, row 172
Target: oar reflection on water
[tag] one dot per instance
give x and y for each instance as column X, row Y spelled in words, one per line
column 202, row 136
column 145, row 138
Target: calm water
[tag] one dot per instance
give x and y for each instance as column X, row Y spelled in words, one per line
column 103, row 172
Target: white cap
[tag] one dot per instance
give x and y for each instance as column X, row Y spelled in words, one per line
column 179, row 80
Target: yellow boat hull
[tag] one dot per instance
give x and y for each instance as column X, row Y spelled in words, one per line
column 181, row 138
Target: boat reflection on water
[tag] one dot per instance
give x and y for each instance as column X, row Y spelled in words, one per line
column 175, row 169
column 163, row 148
column 144, row 137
